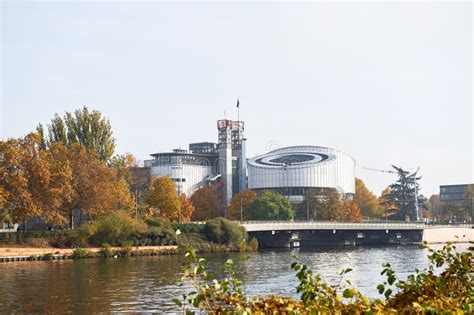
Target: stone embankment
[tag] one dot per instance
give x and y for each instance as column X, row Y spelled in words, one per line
column 30, row 253
column 445, row 234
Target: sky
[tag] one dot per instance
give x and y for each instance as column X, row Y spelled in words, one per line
column 387, row 82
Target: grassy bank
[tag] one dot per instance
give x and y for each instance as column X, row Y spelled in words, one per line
column 120, row 235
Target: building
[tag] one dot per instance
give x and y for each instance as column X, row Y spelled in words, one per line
column 454, row 193
column 292, row 171
column 207, row 162
column 188, row 170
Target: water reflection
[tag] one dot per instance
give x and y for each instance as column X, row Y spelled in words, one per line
column 150, row 283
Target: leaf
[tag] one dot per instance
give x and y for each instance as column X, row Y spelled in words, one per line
column 177, row 302
column 348, row 293
column 381, row 288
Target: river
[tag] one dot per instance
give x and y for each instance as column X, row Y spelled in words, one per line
column 138, row 284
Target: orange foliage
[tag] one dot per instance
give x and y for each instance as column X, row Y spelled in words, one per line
column 163, row 200
column 187, row 209
column 207, row 202
column 233, row 210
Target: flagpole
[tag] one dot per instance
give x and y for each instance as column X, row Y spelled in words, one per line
column 240, row 173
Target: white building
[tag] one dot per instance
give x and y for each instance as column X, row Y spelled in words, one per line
column 189, row 171
column 292, row 170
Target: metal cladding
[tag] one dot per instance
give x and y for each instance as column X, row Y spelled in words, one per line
column 303, row 166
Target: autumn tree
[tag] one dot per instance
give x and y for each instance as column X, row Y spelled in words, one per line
column 388, row 206
column 163, row 198
column 244, row 199
column 97, row 189
column 139, row 179
column 34, row 182
column 84, row 127
column 186, row 209
column 434, row 206
column 366, row 200
column 207, row 202
column 352, row 210
column 269, row 206
column 468, row 204
column 326, row 206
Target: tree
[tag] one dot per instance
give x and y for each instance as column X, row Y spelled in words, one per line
column 138, row 178
column 233, row 209
column 269, row 206
column 85, row 127
column 164, row 198
column 97, row 189
column 366, row 200
column 352, row 209
column 186, row 209
column 326, row 206
column 207, row 203
column 33, row 182
column 468, row 204
column 403, row 194
column 450, row 210
column 434, row 206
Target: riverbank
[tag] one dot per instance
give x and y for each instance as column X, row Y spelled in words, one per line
column 8, row 254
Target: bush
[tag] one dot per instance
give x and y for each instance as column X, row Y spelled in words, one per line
column 161, row 232
column 188, row 227
column 106, row 250
column 126, row 248
column 79, row 253
column 83, row 234
column 222, row 231
column 116, row 228
column 424, row 292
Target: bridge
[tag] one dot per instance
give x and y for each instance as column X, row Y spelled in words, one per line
column 308, row 234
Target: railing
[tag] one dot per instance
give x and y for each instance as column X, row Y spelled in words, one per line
column 324, row 225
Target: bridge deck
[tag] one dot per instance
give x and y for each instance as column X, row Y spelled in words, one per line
column 260, row 226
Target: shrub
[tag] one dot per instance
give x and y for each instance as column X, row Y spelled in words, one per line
column 37, row 242
column 222, row 231
column 79, row 253
column 161, row 232
column 126, row 248
column 188, row 227
column 106, row 250
column 83, row 234
column 62, row 239
column 424, row 292
column 116, row 228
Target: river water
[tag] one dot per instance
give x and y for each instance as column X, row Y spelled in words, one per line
column 138, row 284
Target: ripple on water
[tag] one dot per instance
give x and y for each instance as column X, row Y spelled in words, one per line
column 142, row 284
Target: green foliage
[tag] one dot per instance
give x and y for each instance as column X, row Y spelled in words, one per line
column 223, row 231
column 85, row 127
column 188, row 227
column 116, row 228
column 106, row 250
column 269, row 206
column 160, row 232
column 403, row 194
column 427, row 292
column 79, row 253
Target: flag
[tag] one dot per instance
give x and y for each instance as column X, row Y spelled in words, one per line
column 238, row 103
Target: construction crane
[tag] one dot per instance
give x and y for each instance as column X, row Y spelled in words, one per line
column 417, row 205
column 377, row 170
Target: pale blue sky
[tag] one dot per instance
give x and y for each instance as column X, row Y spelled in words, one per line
column 389, row 83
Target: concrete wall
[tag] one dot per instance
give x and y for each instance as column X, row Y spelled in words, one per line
column 433, row 235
